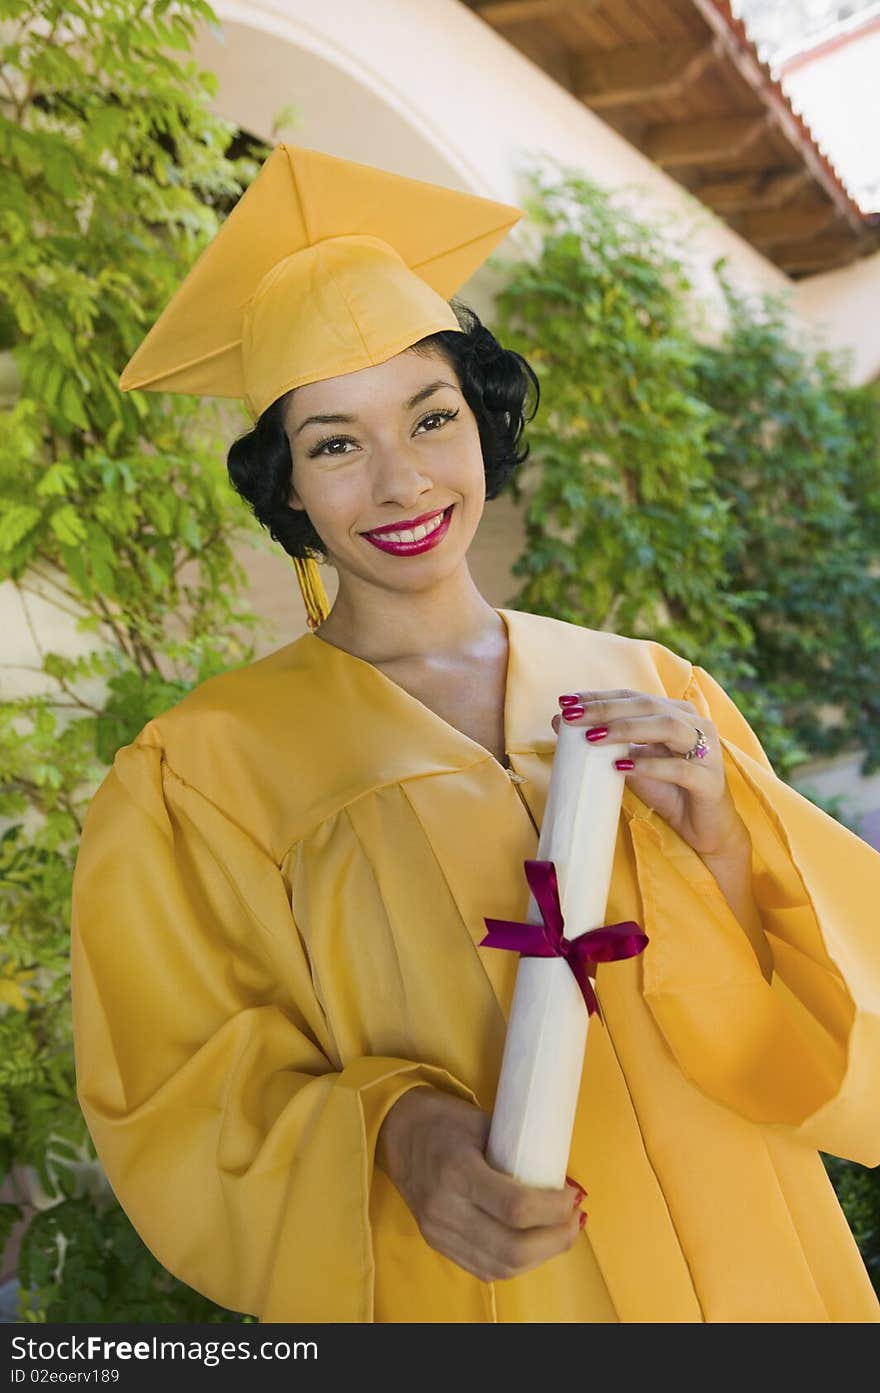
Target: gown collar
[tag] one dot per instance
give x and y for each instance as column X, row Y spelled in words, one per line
column 527, row 711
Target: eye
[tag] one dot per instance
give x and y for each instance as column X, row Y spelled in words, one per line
column 444, row 414
column 323, row 446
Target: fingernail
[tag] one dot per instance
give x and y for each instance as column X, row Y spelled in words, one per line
column 597, row 733
column 582, row 1219
column 569, row 700
column 578, row 1190
column 572, row 713
column 624, row 764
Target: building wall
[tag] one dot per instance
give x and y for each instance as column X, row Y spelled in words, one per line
column 846, row 304
column 834, row 85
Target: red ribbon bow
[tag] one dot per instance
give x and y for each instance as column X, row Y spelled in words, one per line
column 610, row 943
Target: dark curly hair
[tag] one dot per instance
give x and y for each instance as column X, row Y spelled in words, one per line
column 494, row 382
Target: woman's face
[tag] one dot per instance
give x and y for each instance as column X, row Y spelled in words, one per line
column 402, row 442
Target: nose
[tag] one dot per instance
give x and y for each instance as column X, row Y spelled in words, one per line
column 399, row 476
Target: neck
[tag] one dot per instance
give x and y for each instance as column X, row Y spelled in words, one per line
column 384, row 626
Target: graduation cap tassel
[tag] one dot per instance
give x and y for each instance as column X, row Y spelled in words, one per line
column 313, row 592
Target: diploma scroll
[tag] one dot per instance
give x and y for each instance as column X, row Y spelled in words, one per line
column 532, row 1123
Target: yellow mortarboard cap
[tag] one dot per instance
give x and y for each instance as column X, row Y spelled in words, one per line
column 323, row 267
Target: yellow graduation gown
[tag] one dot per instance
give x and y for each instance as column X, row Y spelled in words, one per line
column 277, row 906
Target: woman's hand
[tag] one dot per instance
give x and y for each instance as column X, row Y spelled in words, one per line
column 431, row 1145
column 692, row 795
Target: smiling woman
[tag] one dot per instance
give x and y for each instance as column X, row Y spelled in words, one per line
column 290, row 470
column 288, row 1032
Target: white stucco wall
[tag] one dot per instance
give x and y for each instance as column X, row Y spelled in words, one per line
column 838, row 93
column 845, row 304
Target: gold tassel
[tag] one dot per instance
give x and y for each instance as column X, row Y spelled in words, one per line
column 313, row 592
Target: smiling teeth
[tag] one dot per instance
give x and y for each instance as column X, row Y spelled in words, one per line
column 414, row 534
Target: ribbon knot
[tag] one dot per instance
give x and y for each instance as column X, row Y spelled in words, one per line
column 610, row 943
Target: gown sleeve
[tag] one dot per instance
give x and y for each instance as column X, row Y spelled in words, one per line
column 240, row 1149
column 798, row 1046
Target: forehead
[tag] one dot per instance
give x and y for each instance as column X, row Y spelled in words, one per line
column 390, row 383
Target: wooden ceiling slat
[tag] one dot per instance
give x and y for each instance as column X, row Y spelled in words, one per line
column 710, row 94
column 639, row 73
column 662, row 19
column 821, row 253
column 568, row 24
column 510, row 12
column 771, row 151
column 703, row 96
column 592, row 27
column 689, row 20
column 781, row 113
column 706, row 94
column 732, row 88
column 742, row 193
column 769, row 226
column 679, row 80
column 626, row 22
column 703, row 141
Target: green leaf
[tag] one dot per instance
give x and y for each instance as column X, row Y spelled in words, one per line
column 59, row 479
column 16, row 522
column 68, row 526
column 71, row 404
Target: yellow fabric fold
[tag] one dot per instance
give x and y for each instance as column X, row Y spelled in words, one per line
column 801, row 1050
column 241, row 1155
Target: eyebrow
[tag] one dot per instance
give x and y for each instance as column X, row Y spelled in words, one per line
column 420, row 395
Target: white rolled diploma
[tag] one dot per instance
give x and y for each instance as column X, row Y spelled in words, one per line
column 533, row 1119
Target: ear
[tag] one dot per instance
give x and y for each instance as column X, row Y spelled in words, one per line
column 293, row 498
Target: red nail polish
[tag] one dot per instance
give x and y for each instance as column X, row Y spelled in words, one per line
column 582, row 1219
column 624, row 764
column 569, row 700
column 572, row 713
column 597, row 733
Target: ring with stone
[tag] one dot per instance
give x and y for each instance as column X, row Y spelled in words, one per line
column 700, row 749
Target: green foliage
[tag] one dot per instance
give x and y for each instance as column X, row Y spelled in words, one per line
column 116, row 509
column 859, row 1195
column 108, row 1274
column 624, row 527
column 796, row 454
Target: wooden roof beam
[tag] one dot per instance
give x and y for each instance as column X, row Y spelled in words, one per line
column 639, row 72
column 704, row 140
column 773, row 225
column 765, row 90
column 744, row 192
column 821, row 254
column 504, row 13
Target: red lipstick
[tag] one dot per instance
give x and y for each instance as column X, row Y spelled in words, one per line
column 384, row 543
